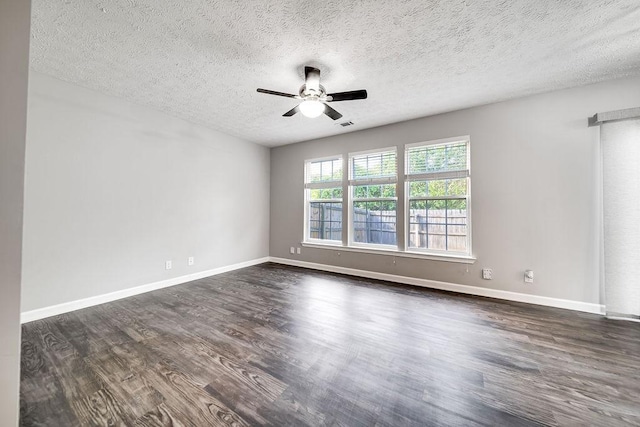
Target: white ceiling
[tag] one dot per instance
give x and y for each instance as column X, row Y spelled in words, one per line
column 202, row 60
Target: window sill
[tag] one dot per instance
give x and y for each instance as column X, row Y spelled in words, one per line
column 464, row 259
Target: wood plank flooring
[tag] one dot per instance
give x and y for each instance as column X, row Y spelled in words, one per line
column 275, row 345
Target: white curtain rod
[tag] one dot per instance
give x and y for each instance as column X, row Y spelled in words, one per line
column 614, row 116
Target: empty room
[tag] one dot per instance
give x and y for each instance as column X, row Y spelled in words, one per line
column 338, row 213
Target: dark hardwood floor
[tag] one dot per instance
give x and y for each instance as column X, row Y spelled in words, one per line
column 276, row 345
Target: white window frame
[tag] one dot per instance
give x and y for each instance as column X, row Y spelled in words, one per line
column 308, row 186
column 437, row 175
column 401, row 181
column 353, row 182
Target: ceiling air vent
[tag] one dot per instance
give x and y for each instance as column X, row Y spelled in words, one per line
column 345, row 124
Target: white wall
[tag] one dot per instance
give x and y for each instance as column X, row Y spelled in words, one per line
column 15, row 17
column 114, row 189
column 535, row 169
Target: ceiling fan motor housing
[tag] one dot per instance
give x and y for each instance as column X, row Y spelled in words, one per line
column 309, row 93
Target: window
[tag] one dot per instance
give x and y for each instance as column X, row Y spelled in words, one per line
column 323, row 194
column 372, row 185
column 434, row 209
column 437, row 191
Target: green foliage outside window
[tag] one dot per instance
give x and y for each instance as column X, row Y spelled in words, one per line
column 374, row 191
column 380, row 205
column 438, row 188
column 326, row 193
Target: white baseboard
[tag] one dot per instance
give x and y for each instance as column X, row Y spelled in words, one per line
column 41, row 313
column 453, row 287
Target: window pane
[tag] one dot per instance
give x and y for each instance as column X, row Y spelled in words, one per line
column 360, row 192
column 374, row 191
column 337, row 170
column 326, row 193
column 325, row 221
column 376, row 165
column 324, row 170
column 457, row 225
column 313, row 170
column 437, row 158
column 438, row 188
column 418, row 224
column 374, row 222
column 438, row 224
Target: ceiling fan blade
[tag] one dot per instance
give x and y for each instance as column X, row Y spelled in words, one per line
column 331, row 112
column 273, row 92
column 312, row 78
column 291, row 112
column 347, row 96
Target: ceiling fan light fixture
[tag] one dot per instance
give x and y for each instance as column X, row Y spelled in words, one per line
column 311, row 108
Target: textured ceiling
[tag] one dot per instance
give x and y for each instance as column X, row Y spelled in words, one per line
column 202, row 60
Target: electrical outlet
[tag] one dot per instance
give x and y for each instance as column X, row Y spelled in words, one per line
column 191, row 261
column 298, row 251
column 292, row 250
column 528, row 276
column 167, row 265
column 487, row 274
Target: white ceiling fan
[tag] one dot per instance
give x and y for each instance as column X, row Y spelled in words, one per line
column 314, row 97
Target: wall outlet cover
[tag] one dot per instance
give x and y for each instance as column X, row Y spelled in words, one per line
column 528, row 276
column 487, row 274
column 167, row 265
